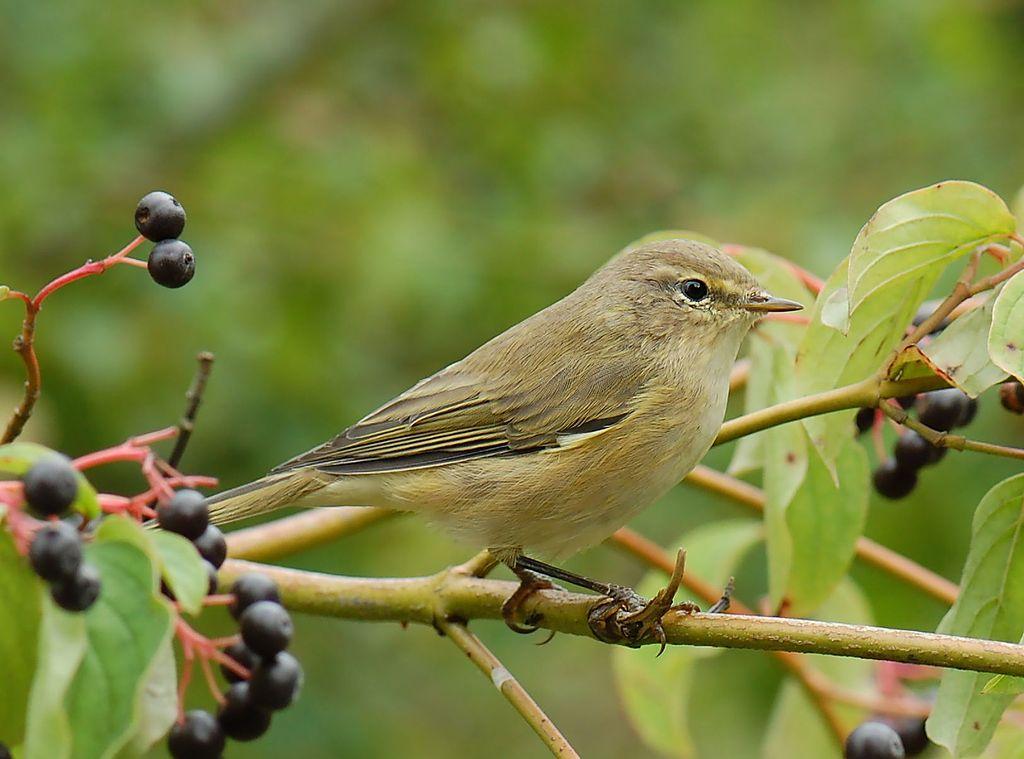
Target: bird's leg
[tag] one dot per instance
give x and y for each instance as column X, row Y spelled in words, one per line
column 529, row 583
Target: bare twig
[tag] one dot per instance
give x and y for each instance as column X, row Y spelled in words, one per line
column 508, row 686
column 193, row 397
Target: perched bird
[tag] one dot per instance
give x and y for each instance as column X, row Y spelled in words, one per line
column 554, row 434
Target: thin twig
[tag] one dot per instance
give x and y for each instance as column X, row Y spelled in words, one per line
column 945, row 439
column 193, row 397
column 869, row 551
column 424, row 599
column 508, row 686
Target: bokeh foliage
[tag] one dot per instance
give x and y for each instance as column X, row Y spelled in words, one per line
column 376, row 188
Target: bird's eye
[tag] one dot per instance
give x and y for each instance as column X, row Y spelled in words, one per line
column 693, row 289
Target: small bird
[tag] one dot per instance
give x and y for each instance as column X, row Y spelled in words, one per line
column 555, row 433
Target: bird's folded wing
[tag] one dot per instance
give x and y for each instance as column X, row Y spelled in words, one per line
column 461, row 414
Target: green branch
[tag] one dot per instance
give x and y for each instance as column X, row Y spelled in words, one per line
column 455, row 595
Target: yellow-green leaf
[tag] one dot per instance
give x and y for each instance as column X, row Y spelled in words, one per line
column 960, row 353
column 1006, row 336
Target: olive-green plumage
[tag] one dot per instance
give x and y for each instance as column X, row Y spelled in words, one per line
column 555, row 433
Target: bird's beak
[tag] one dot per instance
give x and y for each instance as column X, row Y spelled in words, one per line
column 770, row 304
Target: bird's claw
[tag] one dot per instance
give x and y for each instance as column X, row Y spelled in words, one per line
column 627, row 618
column 529, row 583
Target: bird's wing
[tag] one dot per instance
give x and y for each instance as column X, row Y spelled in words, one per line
column 486, row 405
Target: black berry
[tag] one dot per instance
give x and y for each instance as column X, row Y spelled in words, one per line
column 942, row 409
column 911, row 732
column 906, row 401
column 239, row 718
column 1011, row 395
column 250, row 588
column 56, row 552
column 912, row 451
column 212, row 546
column 970, row 411
column 893, row 481
column 171, row 263
column 266, row 628
column 198, row 737
column 276, row 682
column 5, row 753
column 241, row 654
column 865, row 419
column 185, row 514
column 159, row 216
column 78, row 592
column 51, row 485
column 873, row 740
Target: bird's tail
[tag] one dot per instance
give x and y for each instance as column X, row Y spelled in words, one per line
column 263, row 496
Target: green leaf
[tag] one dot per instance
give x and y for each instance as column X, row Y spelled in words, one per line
column 62, row 645
column 895, row 262
column 174, row 558
column 1006, row 337
column 812, row 535
column 182, row 569
column 1003, row 684
column 990, row 605
column 126, row 628
column 656, row 690
column 18, row 458
column 158, row 705
column 919, row 233
column 960, row 353
column 19, row 633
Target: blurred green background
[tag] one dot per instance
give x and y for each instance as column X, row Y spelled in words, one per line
column 375, row 188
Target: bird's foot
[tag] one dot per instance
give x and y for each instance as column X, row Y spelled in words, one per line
column 625, row 617
column 529, row 583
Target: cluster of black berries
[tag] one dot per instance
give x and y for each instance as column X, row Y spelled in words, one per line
column 887, row 738
column 942, row 410
column 161, row 218
column 55, row 553
column 187, row 515
column 266, row 628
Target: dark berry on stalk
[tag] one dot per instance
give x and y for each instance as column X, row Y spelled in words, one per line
column 211, row 574
column 893, row 481
column 186, row 514
column 212, row 546
column 241, row 654
column 159, row 216
column 276, row 682
column 51, row 485
column 1011, row 395
column 912, row 451
column 171, row 263
column 942, row 409
column 970, row 411
column 239, row 718
column 78, row 592
column 266, row 628
column 865, row 419
column 906, row 401
column 198, row 737
column 873, row 740
column 938, row 453
column 56, row 551
column 5, row 753
column 911, row 732
column 250, row 588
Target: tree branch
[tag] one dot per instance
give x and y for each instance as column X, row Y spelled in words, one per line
column 446, row 595
column 508, row 686
column 193, row 397
column 299, row 532
column 945, row 439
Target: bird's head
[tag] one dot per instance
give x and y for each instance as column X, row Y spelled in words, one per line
column 684, row 288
